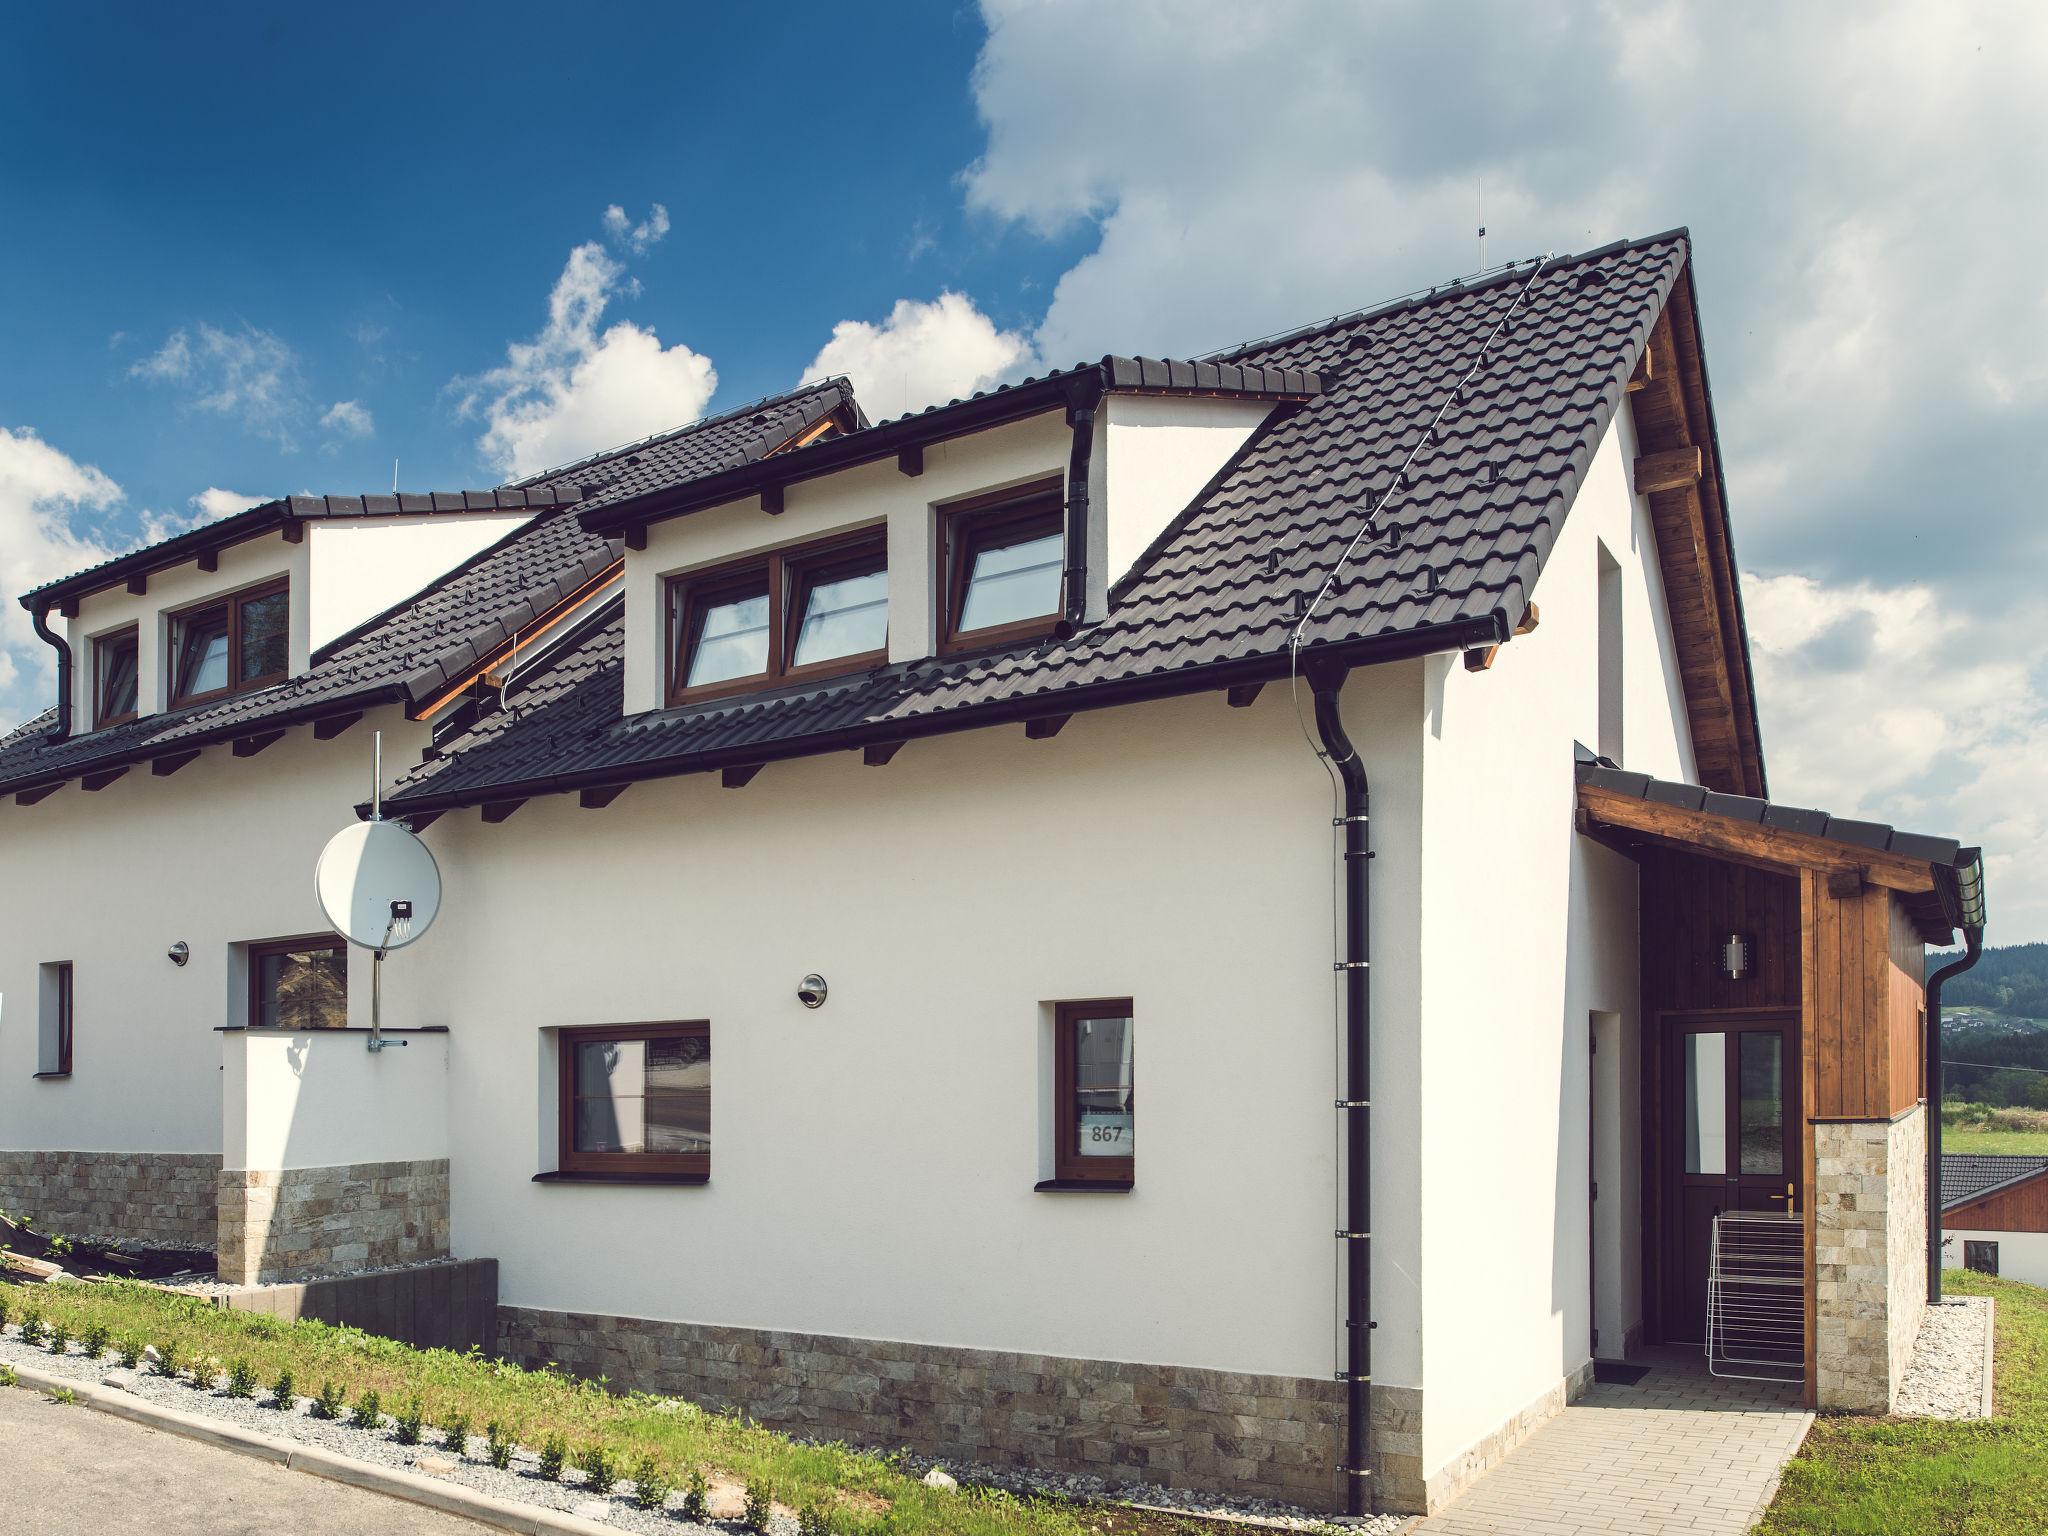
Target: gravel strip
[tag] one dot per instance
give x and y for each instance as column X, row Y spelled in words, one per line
column 1946, row 1378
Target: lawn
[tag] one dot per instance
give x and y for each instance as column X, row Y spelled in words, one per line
column 1961, row 1139
column 1873, row 1477
column 849, row 1491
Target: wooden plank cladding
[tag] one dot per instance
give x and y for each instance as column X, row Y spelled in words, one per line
column 2021, row 1208
column 1863, row 1000
column 1690, row 903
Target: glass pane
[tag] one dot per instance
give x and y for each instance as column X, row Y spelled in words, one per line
column 117, row 677
column 203, row 654
column 265, row 641
column 1012, row 581
column 1760, row 1061
column 1102, row 1087
column 307, row 989
column 643, row 1095
column 844, row 617
column 730, row 639
column 1706, row 1103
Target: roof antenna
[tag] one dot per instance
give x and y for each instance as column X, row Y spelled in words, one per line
column 1482, row 229
column 394, row 462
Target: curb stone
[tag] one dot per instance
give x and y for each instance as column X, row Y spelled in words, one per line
column 1990, row 1351
column 450, row 1498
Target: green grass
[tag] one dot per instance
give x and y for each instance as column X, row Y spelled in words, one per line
column 1877, row 1477
column 859, row 1493
column 2014, row 1143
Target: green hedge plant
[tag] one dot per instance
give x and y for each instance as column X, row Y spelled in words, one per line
column 284, row 1395
column 651, row 1483
column 368, row 1412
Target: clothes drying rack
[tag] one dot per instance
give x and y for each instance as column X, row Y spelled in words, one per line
column 1756, row 1296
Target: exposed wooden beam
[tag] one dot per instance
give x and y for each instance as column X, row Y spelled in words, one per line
column 636, row 536
column 209, row 559
column 910, row 461
column 422, row 821
column 94, row 782
column 1668, row 469
column 1480, row 658
column 334, row 725
column 1845, row 884
column 1244, row 695
column 1773, row 847
column 496, row 811
column 877, row 754
column 294, row 531
column 31, row 796
column 1530, row 619
column 163, row 767
column 1046, row 727
column 600, row 796
column 739, row 778
column 771, row 500
column 138, row 584
column 249, row 746
column 1646, row 370
column 68, row 607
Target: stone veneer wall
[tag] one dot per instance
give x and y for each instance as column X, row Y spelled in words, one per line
column 291, row 1223
column 137, row 1197
column 1870, row 1246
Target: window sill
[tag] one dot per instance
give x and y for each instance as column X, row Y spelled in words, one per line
column 50, row 1077
column 1083, row 1187
column 556, row 1176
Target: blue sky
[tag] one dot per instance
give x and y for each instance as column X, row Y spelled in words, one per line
column 252, row 251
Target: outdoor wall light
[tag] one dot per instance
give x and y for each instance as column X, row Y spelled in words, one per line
column 1735, row 956
column 811, row 991
column 180, row 952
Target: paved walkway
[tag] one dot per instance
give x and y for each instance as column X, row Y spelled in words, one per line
column 69, row 1469
column 1681, row 1451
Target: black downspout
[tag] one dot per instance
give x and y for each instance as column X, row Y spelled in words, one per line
column 1355, row 818
column 39, row 616
column 1081, row 417
column 1973, row 950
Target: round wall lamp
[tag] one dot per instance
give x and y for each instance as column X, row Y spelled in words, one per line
column 811, row 991
column 180, row 952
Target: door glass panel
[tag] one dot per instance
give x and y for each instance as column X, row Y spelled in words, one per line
column 1761, row 1064
column 1706, row 1102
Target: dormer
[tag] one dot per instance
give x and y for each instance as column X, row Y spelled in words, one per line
column 982, row 525
column 246, row 603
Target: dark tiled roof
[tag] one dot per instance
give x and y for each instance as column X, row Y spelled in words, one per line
column 1965, row 1176
column 1218, row 595
column 415, row 649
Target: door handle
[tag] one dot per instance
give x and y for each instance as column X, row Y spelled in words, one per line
column 1789, row 1197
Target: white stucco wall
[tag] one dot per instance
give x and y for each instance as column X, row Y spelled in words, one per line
column 322, row 1098
column 362, row 565
column 1528, row 930
column 218, row 854
column 1155, row 452
column 2021, row 1255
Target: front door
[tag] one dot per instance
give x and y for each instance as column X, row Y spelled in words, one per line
column 1731, row 1122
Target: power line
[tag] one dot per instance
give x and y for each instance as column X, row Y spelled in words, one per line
column 1995, row 1066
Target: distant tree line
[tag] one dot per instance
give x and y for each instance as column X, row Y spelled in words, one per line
column 2013, row 978
column 1983, row 1056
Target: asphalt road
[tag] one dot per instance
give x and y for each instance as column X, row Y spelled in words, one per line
column 70, row 1470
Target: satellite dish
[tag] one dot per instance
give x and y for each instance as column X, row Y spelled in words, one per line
column 378, row 885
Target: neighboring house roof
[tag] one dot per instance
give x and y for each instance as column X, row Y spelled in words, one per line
column 1215, row 600
column 419, row 647
column 1951, row 876
column 1968, row 1176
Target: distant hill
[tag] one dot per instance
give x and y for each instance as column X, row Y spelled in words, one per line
column 2013, row 978
column 1981, row 1050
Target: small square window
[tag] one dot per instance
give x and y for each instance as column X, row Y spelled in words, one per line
column 726, row 632
column 114, row 678
column 202, row 654
column 1094, row 1102
column 1980, row 1256
column 839, row 608
column 636, row 1099
column 1004, row 568
column 53, row 1018
column 299, row 983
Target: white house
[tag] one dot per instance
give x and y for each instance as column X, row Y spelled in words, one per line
column 1350, row 737
column 1994, row 1213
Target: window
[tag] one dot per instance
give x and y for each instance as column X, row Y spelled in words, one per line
column 808, row 612
column 1003, row 561
column 636, row 1100
column 299, row 984
column 1980, row 1256
column 53, row 1035
column 1092, row 1092
column 114, row 677
column 231, row 645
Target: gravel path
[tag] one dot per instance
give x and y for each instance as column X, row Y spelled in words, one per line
column 1946, row 1378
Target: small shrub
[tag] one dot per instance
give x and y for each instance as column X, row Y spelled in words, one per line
column 456, row 1427
column 202, row 1374
column 31, row 1326
column 327, row 1404
column 8, row 1378
column 696, row 1499
column 411, row 1419
column 368, row 1412
column 3, row 1311
column 63, row 1395
column 94, row 1336
column 57, row 1339
column 130, row 1353
column 651, row 1483
column 241, row 1379
column 59, row 1245
column 554, row 1455
column 600, row 1470
column 166, row 1359
column 285, row 1394
column 497, row 1449
column 759, row 1501
column 811, row 1521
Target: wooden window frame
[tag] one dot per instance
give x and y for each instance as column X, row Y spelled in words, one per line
column 67, row 996
column 963, row 527
column 623, row 1165
column 786, row 574
column 132, row 638
column 233, row 603
column 1069, row 1166
column 258, row 951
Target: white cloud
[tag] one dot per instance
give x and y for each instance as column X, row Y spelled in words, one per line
column 921, row 354
column 42, row 491
column 208, row 506
column 572, row 389
column 636, row 237
column 348, row 418
column 248, row 375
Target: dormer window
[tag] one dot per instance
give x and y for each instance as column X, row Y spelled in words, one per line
column 812, row 611
column 231, row 645
column 114, row 678
column 1002, row 558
